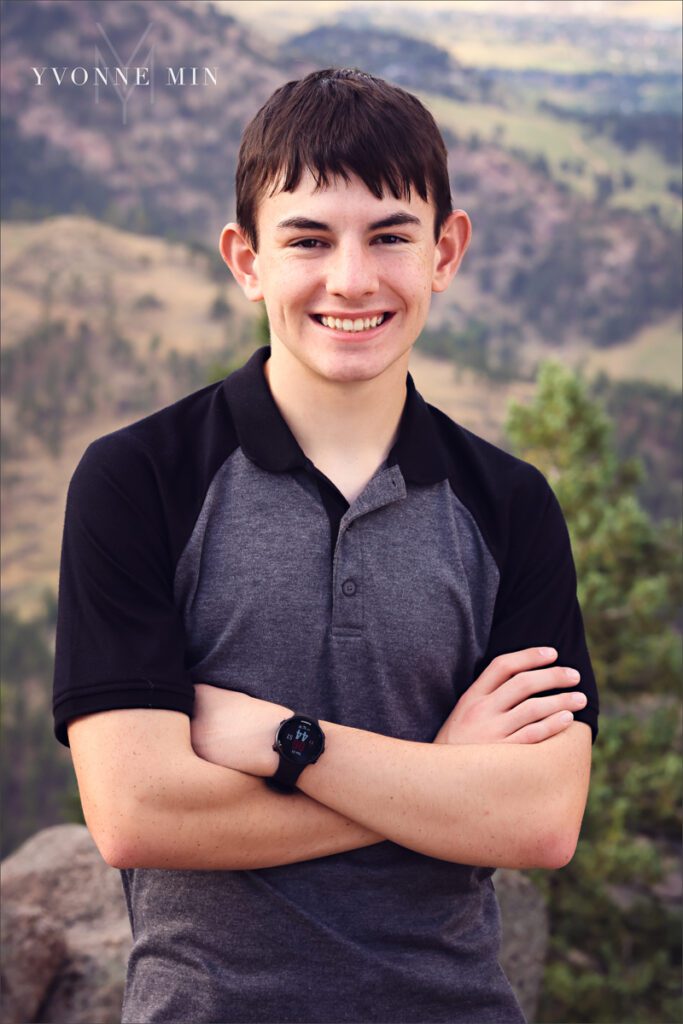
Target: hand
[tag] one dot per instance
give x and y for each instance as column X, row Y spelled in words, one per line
column 495, row 708
column 235, row 730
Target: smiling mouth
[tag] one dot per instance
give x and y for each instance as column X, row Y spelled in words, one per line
column 351, row 325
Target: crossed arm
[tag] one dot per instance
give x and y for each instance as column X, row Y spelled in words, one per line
column 486, row 792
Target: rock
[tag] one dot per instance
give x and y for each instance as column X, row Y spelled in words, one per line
column 33, row 950
column 67, row 935
column 525, row 936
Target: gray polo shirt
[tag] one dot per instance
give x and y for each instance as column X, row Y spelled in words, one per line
column 201, row 545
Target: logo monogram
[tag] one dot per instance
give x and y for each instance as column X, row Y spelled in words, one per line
column 149, row 64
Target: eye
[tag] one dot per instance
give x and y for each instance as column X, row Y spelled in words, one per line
column 307, row 243
column 389, row 239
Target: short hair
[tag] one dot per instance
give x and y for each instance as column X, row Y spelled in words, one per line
column 336, row 122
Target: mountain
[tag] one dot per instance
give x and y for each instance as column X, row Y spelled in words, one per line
column 405, row 60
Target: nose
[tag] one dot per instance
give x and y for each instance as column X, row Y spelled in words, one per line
column 352, row 271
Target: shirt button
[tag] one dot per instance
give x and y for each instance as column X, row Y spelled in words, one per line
column 349, row 588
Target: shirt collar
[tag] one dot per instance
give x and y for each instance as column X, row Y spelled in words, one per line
column 266, row 439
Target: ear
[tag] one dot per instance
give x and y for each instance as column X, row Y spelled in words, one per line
column 242, row 260
column 453, row 241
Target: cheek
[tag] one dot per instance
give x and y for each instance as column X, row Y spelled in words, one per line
column 285, row 293
column 418, row 295
column 411, row 276
column 290, row 284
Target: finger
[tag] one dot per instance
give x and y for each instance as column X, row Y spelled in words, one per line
column 505, row 666
column 536, row 709
column 516, row 690
column 539, row 731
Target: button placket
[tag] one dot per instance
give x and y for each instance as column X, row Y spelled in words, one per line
column 347, row 597
column 347, row 578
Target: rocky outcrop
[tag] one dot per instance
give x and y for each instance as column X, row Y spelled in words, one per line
column 66, row 936
column 33, row 952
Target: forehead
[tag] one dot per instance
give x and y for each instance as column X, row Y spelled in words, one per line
column 339, row 203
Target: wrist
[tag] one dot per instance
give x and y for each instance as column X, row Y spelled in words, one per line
column 271, row 758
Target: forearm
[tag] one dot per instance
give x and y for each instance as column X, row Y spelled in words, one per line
column 151, row 802
column 221, row 819
column 487, row 804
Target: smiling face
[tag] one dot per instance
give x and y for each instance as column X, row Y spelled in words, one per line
column 346, row 277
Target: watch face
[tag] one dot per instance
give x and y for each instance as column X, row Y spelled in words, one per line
column 300, row 740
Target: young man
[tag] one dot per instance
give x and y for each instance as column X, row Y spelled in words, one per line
column 309, row 543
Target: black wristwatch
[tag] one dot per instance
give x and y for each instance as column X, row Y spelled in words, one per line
column 299, row 741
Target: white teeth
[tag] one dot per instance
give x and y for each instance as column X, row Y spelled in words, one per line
column 352, row 325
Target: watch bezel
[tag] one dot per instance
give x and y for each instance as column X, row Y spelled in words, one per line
column 307, row 758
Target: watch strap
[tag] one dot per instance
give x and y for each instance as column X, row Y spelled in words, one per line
column 284, row 779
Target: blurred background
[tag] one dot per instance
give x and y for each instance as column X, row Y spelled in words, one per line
column 559, row 340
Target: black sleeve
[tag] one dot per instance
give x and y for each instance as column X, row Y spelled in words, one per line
column 120, row 639
column 537, row 604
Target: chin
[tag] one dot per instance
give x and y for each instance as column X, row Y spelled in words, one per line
column 347, row 367
column 347, row 373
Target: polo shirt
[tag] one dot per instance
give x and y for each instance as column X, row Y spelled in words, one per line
column 202, row 545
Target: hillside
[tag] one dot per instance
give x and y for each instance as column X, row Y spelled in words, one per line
column 165, row 163
column 414, row 64
column 100, row 326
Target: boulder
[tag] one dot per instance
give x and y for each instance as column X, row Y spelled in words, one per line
column 66, row 932
column 33, row 952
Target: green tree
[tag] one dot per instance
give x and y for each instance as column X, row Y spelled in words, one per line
column 615, row 950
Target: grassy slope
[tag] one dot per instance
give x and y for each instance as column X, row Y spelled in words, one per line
column 654, row 355
column 77, row 256
column 81, row 260
column 538, row 133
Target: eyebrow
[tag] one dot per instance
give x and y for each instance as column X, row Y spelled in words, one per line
column 394, row 220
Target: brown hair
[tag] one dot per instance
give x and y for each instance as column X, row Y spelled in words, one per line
column 336, row 122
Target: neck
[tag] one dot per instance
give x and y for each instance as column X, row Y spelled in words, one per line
column 352, row 421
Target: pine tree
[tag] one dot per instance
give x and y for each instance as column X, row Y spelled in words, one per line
column 615, row 951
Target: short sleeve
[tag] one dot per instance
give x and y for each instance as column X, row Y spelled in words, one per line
column 537, row 604
column 120, row 639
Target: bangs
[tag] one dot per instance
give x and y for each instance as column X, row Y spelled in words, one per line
column 338, row 123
